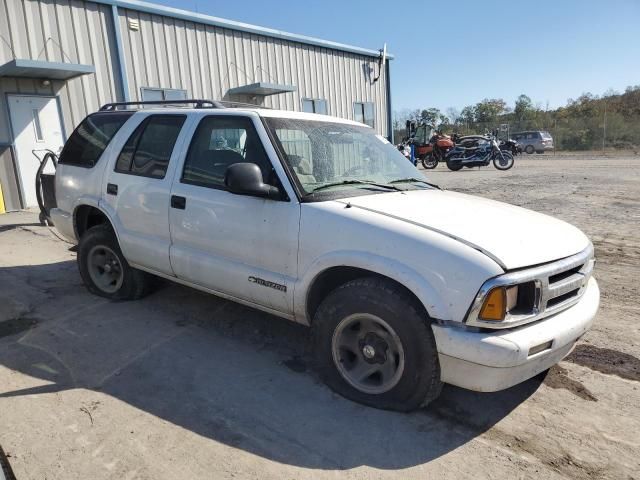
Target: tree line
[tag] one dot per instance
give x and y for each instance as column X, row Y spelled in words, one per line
column 589, row 122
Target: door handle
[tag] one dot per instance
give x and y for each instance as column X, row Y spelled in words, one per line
column 178, row 202
column 112, row 189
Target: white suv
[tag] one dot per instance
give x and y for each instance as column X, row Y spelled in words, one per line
column 321, row 221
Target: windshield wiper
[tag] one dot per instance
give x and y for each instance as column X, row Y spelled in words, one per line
column 413, row 180
column 357, row 182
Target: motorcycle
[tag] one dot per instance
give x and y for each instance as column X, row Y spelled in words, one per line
column 478, row 151
column 512, row 146
column 436, row 150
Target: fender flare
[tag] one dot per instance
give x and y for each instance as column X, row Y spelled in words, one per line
column 97, row 204
column 405, row 275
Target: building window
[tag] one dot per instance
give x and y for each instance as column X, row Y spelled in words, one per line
column 364, row 112
column 314, row 105
column 154, row 94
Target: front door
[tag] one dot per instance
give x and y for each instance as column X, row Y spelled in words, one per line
column 238, row 245
column 35, row 122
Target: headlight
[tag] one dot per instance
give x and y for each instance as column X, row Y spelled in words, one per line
column 501, row 302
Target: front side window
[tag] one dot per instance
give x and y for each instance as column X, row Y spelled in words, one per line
column 149, row 148
column 332, row 157
column 219, row 142
column 86, row 144
column 314, row 105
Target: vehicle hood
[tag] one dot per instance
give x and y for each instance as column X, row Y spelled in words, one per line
column 514, row 237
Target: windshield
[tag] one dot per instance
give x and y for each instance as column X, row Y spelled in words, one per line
column 330, row 155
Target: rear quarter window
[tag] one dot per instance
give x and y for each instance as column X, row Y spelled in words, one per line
column 87, row 142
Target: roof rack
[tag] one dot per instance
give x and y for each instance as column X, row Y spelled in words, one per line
column 197, row 103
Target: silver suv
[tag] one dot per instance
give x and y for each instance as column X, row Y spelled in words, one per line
column 534, row 141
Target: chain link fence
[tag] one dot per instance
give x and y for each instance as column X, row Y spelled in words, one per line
column 609, row 134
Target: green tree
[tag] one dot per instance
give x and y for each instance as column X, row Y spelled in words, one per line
column 467, row 114
column 488, row 109
column 431, row 116
column 524, row 107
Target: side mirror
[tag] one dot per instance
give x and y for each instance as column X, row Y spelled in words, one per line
column 246, row 179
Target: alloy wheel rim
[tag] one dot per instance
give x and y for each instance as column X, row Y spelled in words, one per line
column 368, row 353
column 105, row 269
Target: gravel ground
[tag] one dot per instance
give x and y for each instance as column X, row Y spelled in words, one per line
column 185, row 385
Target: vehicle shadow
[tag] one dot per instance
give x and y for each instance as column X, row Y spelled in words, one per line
column 225, row 372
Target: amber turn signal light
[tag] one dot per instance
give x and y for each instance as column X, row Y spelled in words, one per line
column 494, row 305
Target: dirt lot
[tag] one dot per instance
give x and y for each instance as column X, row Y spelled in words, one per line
column 184, row 385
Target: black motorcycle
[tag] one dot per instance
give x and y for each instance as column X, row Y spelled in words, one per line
column 478, row 151
column 511, row 145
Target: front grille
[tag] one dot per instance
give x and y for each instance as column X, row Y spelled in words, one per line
column 565, row 283
column 558, row 286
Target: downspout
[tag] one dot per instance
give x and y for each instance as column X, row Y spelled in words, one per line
column 122, row 66
column 389, row 114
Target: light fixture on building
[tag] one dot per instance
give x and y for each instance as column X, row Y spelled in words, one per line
column 45, row 83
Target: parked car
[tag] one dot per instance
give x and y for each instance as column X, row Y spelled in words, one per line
column 534, row 141
column 321, row 221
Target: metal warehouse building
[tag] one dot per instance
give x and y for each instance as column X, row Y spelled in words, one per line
column 63, row 59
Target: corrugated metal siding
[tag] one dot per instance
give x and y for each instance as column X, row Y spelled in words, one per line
column 220, row 59
column 165, row 52
column 62, row 31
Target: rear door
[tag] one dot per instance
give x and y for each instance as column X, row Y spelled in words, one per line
column 242, row 246
column 138, row 187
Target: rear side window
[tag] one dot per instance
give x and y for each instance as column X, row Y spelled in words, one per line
column 149, row 148
column 91, row 137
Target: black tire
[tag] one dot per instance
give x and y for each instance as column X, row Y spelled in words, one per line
column 501, row 164
column 529, row 149
column 134, row 283
column 429, row 162
column 418, row 382
column 453, row 166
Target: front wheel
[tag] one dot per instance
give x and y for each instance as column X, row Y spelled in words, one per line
column 429, row 162
column 373, row 345
column 453, row 166
column 504, row 161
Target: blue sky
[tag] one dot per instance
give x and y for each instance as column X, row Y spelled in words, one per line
column 456, row 54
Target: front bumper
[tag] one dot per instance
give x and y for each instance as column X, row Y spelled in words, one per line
column 495, row 360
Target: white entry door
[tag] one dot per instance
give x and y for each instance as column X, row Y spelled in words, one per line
column 35, row 122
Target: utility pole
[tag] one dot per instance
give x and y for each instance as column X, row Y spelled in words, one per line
column 604, row 127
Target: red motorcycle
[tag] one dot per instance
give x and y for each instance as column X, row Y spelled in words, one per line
column 436, row 150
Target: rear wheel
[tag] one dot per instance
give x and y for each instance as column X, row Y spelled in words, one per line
column 504, row 161
column 429, row 162
column 104, row 269
column 454, row 166
column 374, row 346
column 529, row 149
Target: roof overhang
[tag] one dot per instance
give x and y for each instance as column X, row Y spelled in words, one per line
column 21, row 67
column 262, row 88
